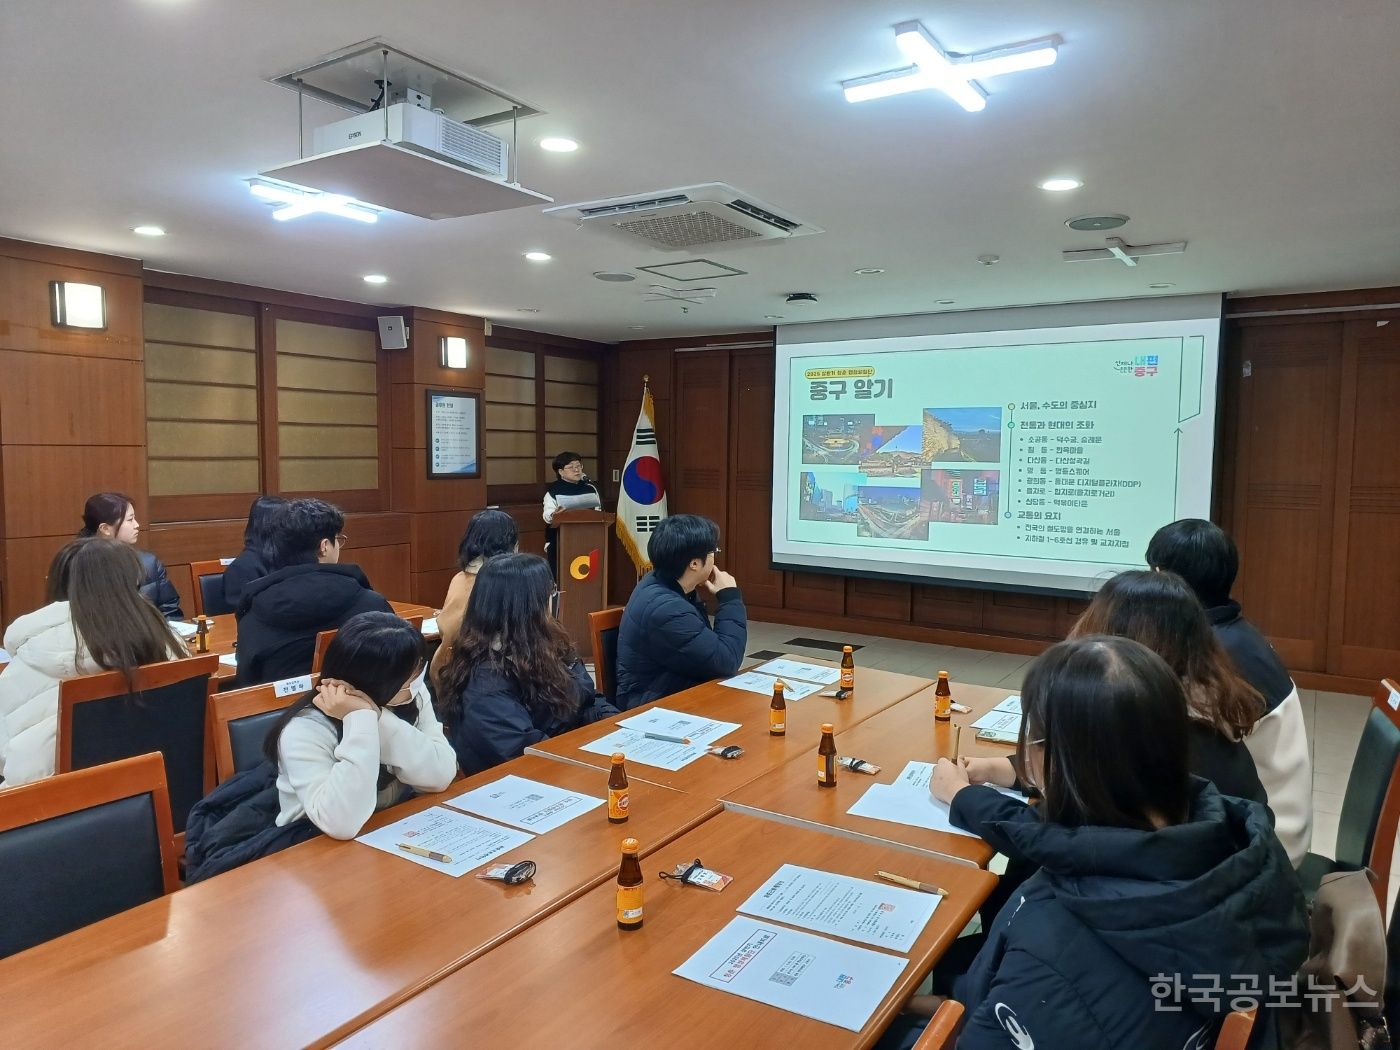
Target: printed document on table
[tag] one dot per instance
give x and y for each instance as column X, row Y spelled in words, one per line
column 918, row 809
column 468, row 841
column 526, row 804
column 1011, row 705
column 856, row 909
column 639, row 750
column 802, row 973
column 785, row 669
column 917, row 776
column 1000, row 722
column 753, row 682
column 698, row 728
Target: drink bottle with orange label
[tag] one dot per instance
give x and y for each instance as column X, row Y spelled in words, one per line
column 777, row 711
column 629, row 887
column 618, row 799
column 942, row 699
column 848, row 668
column 826, row 757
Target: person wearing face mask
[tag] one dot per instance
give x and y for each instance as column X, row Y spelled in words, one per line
column 362, row 740
column 571, row 490
column 112, row 516
column 1140, row 869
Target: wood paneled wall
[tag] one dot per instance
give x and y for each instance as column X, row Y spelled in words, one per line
column 1309, row 485
column 73, row 421
column 72, row 409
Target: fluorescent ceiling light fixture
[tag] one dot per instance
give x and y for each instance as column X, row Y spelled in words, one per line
column 558, row 145
column 934, row 69
column 1060, row 185
column 77, row 305
column 376, row 278
column 297, row 201
column 454, row 351
column 149, row 231
column 538, row 256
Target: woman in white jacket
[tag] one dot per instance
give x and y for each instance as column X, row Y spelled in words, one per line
column 362, row 740
column 96, row 620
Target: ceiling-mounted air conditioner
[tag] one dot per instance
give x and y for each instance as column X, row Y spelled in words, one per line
column 711, row 215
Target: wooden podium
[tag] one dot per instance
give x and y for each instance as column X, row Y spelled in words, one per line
column 583, row 570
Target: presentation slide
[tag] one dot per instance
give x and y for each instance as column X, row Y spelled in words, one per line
column 1036, row 457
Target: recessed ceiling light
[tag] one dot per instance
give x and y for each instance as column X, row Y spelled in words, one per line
column 772, row 317
column 636, row 327
column 528, row 310
column 538, row 256
column 1060, row 185
column 558, row 145
column 614, row 276
column 946, row 302
column 1162, row 284
column 376, row 278
column 149, row 231
column 868, row 271
column 989, row 260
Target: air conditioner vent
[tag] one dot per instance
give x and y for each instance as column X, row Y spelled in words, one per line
column 764, row 215
column 689, row 217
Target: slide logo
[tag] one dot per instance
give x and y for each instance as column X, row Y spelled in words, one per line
column 1142, row 365
column 585, row 565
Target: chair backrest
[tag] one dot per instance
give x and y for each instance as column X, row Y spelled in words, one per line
column 324, row 639
column 207, row 580
column 78, row 847
column 1235, row 1031
column 603, row 626
column 242, row 718
column 1371, row 806
column 942, row 1028
column 101, row 720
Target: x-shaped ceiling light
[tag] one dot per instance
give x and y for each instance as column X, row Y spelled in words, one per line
column 660, row 293
column 954, row 75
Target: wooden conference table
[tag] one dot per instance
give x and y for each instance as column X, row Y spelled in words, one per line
column 875, row 691
column 577, row 980
column 903, row 733
column 303, row 947
column 223, row 633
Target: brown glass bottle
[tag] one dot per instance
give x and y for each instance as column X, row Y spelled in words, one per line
column 826, row 757
column 848, row 668
column 629, row 887
column 777, row 711
column 202, row 635
column 618, row 799
column 942, row 699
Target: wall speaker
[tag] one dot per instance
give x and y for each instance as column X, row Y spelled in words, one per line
column 392, row 333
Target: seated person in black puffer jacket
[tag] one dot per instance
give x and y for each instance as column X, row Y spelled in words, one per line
column 514, row 678
column 307, row 592
column 666, row 643
column 1148, row 881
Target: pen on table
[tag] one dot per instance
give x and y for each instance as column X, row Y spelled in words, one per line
column 668, row 739
column 913, row 884
column 961, row 709
column 957, row 741
column 419, row 851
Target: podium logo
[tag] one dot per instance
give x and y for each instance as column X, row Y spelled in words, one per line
column 585, row 566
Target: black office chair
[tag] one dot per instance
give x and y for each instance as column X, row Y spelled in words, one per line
column 101, row 720
column 78, row 847
column 604, row 626
column 242, row 718
column 1371, row 805
column 208, row 580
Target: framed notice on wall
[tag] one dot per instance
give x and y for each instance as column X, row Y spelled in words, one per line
column 454, row 434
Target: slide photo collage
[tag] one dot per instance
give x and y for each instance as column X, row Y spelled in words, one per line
column 893, row 481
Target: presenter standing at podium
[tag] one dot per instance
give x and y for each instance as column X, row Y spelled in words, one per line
column 571, row 490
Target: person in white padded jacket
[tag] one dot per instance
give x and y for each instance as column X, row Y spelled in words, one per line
column 363, row 739
column 96, row 620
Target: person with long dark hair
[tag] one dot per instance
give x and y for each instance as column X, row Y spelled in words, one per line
column 1161, row 611
column 514, row 677
column 490, row 532
column 112, row 516
column 97, row 620
column 1204, row 555
column 1144, row 872
column 361, row 740
column 255, row 560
